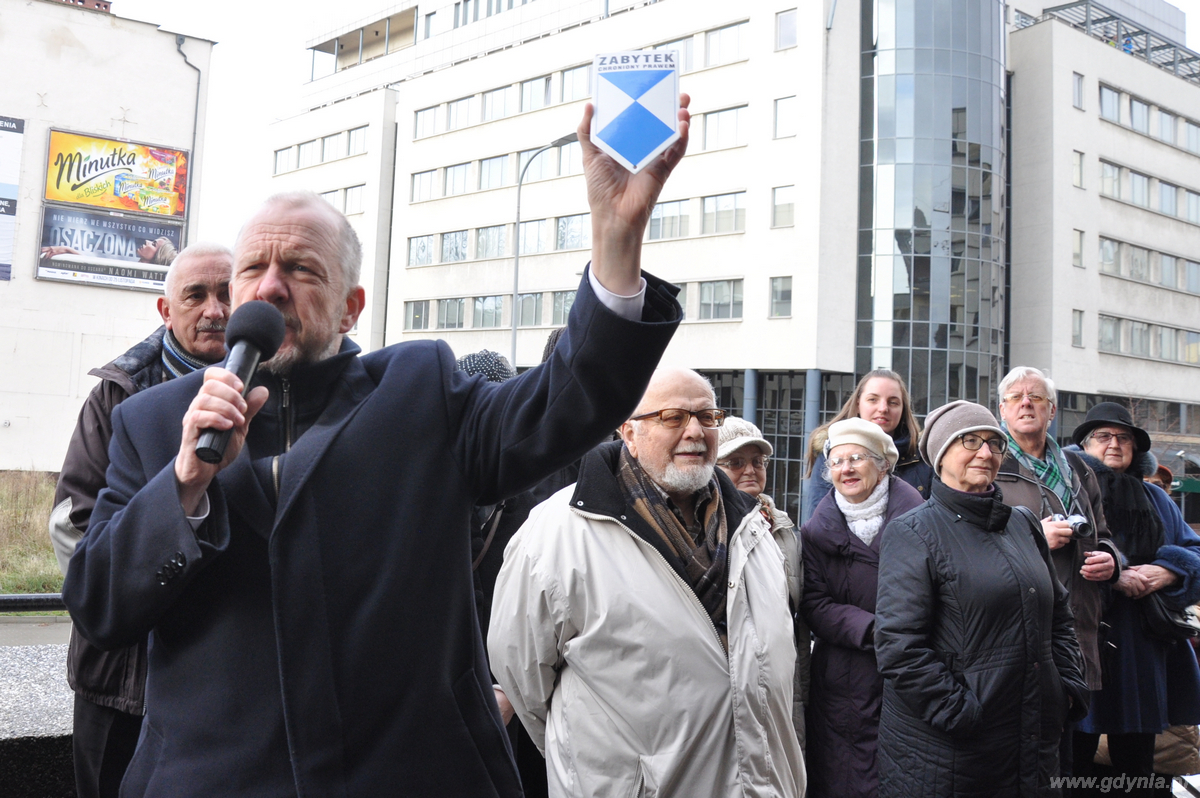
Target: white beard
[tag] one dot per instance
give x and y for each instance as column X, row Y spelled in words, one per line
column 686, row 480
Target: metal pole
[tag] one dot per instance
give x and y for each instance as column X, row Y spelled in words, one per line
column 750, row 396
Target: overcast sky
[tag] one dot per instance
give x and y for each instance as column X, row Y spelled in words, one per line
column 258, row 67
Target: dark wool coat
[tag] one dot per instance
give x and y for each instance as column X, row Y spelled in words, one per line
column 974, row 640
column 1151, row 684
column 316, row 635
column 841, row 574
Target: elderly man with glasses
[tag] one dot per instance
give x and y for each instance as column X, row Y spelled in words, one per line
column 641, row 625
column 1058, row 487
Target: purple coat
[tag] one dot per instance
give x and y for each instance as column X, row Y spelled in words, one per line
column 840, row 579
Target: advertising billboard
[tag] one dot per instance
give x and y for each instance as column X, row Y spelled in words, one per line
column 116, row 175
column 106, row 248
column 12, row 134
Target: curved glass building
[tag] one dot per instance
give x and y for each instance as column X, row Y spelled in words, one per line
column 931, row 252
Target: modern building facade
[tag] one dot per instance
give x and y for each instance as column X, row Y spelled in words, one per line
column 64, row 317
column 844, row 204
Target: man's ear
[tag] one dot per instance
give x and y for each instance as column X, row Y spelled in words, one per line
column 627, row 435
column 164, row 310
column 356, row 300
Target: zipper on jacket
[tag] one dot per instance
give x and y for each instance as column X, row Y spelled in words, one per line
column 286, row 421
column 687, row 588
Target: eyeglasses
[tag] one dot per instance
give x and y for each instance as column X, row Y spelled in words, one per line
column 974, row 443
column 850, row 459
column 1016, row 398
column 738, row 463
column 676, row 417
column 1103, row 438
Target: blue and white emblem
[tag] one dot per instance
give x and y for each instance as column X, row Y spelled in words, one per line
column 636, row 97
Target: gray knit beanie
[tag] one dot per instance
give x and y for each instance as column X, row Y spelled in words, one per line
column 945, row 424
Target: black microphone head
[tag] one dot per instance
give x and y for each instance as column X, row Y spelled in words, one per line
column 259, row 324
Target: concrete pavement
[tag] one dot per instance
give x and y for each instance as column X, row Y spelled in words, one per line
column 34, row 630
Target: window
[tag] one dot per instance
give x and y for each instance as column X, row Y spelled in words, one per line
column 1077, row 169
column 308, row 154
column 416, row 315
column 1191, row 351
column 681, row 298
column 1110, row 104
column 684, row 48
column 781, row 206
column 1168, row 340
column 724, row 45
column 466, row 11
column 354, row 199
column 451, row 313
column 1139, row 263
column 725, row 213
column 781, row 297
column 724, row 128
column 529, row 310
column 535, row 94
column 1108, row 256
column 570, row 159
column 493, row 171
column 785, row 29
column 1167, row 195
column 1077, row 90
column 1139, row 116
column 499, row 103
column 561, row 307
column 1110, row 179
column 1167, row 273
column 1192, row 131
column 358, row 140
column 456, row 179
column 458, row 113
column 575, row 232
column 420, row 251
column 283, row 160
column 1193, row 207
column 334, row 147
column 785, row 117
column 541, row 168
column 532, row 236
column 429, row 23
column 1139, row 338
column 426, row 123
column 1077, row 248
column 454, row 246
column 422, row 185
column 721, row 299
column 668, row 220
column 1166, row 127
column 1077, row 328
column 1192, row 277
column 576, row 83
column 334, row 198
column 489, row 242
column 1110, row 334
column 1139, row 189
column 489, row 311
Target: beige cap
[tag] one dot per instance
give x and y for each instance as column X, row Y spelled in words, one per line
column 864, row 433
column 736, row 433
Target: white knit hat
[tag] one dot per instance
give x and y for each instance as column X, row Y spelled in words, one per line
column 736, row 433
column 864, row 433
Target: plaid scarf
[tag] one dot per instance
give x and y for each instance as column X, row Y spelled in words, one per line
column 176, row 361
column 703, row 549
column 1054, row 472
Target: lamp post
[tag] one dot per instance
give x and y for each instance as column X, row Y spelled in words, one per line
column 516, row 313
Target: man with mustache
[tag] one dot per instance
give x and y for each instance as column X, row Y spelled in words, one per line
column 110, row 685
column 641, row 625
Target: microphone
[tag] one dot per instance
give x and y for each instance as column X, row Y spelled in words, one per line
column 254, row 333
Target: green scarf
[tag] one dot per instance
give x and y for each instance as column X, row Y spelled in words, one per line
column 1054, row 472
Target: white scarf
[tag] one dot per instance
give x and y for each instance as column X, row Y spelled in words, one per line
column 865, row 519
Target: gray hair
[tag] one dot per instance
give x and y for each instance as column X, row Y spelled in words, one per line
column 349, row 249
column 880, row 462
column 1023, row 372
column 194, row 251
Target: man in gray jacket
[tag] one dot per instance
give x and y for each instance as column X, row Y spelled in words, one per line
column 110, row 685
column 640, row 624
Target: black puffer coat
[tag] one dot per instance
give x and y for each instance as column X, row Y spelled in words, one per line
column 974, row 638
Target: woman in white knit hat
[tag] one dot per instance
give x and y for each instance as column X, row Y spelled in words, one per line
column 973, row 633
column 841, row 564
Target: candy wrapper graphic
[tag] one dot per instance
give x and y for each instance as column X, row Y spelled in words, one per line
column 636, row 97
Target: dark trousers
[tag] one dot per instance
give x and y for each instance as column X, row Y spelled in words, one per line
column 104, row 740
column 1132, row 756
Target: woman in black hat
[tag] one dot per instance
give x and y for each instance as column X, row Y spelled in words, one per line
column 1151, row 683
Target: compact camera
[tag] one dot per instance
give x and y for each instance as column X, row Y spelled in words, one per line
column 1080, row 526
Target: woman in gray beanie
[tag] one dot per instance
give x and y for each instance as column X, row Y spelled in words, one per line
column 973, row 632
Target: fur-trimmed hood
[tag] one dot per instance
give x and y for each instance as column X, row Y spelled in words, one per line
column 1144, row 463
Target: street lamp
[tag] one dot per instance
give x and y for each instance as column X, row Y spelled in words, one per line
column 516, row 314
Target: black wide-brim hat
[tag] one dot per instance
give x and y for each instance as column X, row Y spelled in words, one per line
column 1106, row 413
